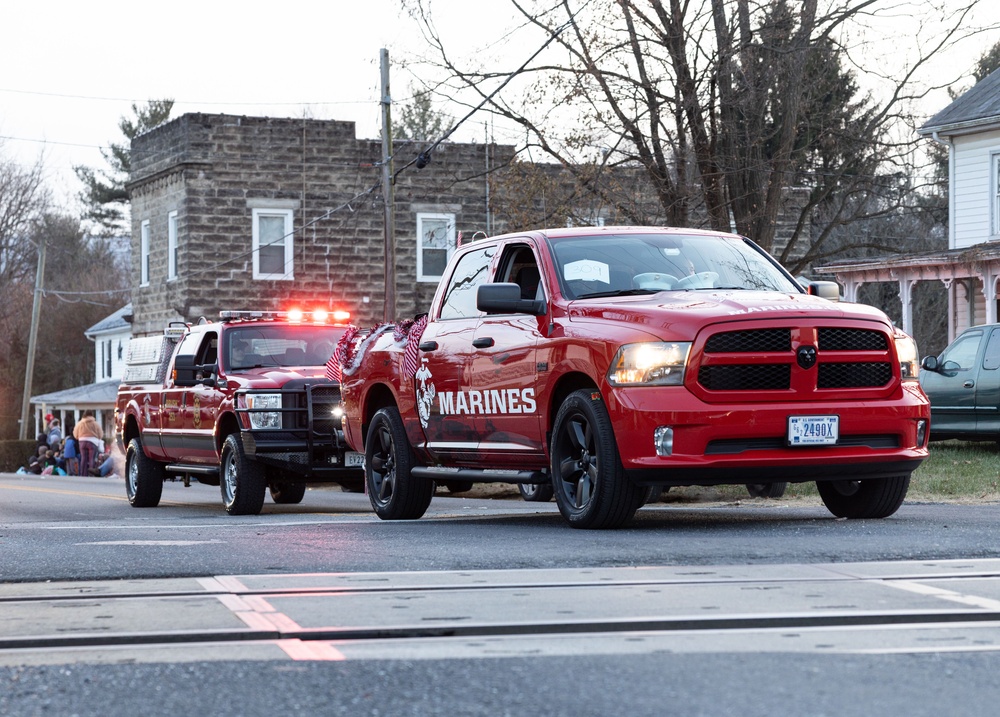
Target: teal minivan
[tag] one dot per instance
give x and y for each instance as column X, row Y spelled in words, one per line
column 963, row 385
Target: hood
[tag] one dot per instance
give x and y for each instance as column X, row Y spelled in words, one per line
column 278, row 376
column 688, row 311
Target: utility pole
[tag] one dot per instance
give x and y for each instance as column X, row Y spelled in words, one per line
column 36, row 309
column 389, row 312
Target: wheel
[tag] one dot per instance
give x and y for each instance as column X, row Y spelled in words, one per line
column 654, row 493
column 394, row 492
column 589, row 482
column 875, row 498
column 243, row 480
column 285, row 492
column 143, row 477
column 536, row 492
column 766, row 490
column 459, row 486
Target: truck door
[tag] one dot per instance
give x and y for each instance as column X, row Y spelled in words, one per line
column 446, row 352
column 952, row 390
column 188, row 416
column 504, row 371
column 988, row 387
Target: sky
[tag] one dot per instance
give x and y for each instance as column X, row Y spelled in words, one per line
column 71, row 70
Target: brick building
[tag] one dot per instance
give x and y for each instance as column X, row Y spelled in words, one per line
column 236, row 212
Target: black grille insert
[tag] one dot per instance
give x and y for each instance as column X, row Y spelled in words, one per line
column 854, row 375
column 746, row 377
column 841, row 339
column 759, row 341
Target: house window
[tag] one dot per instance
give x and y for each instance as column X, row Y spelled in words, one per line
column 272, row 244
column 144, row 253
column 172, row 245
column 107, row 363
column 435, row 243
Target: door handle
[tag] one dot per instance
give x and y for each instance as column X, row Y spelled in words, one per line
column 968, row 384
column 428, row 346
column 484, row 343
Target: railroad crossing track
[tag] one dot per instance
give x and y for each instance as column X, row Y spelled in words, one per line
column 911, row 607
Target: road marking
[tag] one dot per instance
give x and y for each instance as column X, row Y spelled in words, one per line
column 311, row 650
column 152, row 542
column 950, row 595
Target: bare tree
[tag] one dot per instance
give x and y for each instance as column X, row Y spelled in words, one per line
column 726, row 105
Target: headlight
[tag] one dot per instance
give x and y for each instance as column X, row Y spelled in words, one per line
column 906, row 349
column 649, row 364
column 260, row 419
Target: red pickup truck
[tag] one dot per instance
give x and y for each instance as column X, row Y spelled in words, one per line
column 242, row 403
column 607, row 360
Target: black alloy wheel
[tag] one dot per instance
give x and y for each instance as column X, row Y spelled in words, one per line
column 395, row 493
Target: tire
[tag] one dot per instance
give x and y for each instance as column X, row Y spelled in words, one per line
column 875, row 498
column 536, row 492
column 143, row 477
column 287, row 493
column 766, row 490
column 654, row 493
column 395, row 493
column 590, row 485
column 243, row 481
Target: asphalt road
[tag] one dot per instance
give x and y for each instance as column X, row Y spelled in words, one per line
column 489, row 607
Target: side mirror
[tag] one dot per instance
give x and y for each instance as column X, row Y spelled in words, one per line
column 930, row 363
column 184, row 371
column 506, row 299
column 825, row 290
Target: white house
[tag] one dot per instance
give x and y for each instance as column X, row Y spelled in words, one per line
column 970, row 267
column 110, row 336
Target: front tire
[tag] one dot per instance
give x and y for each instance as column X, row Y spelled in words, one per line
column 590, row 484
column 395, row 493
column 287, row 493
column 244, row 482
column 766, row 490
column 875, row 498
column 143, row 477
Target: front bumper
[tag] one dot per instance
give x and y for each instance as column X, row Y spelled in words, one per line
column 716, row 444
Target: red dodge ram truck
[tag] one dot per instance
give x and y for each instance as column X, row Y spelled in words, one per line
column 242, row 403
column 607, row 360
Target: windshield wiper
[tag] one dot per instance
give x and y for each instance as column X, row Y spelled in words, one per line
column 620, row 292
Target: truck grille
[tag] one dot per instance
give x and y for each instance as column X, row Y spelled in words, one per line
column 804, row 359
column 323, row 399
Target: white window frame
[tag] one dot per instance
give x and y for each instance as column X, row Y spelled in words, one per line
column 434, row 216
column 171, row 246
column 289, row 237
column 144, row 253
column 995, row 193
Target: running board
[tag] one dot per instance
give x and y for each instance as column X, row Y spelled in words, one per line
column 197, row 470
column 480, row 476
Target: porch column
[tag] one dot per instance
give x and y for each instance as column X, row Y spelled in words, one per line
column 990, row 292
column 951, row 307
column 906, row 297
column 851, row 290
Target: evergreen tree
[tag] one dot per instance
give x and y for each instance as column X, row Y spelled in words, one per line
column 104, row 195
column 418, row 120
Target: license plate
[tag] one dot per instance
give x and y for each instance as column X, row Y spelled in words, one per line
column 354, row 460
column 813, row 430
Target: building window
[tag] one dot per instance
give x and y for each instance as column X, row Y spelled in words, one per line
column 144, row 253
column 107, row 363
column 435, row 243
column 272, row 244
column 172, row 245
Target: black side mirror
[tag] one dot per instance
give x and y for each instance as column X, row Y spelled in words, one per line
column 506, row 298
column 930, row 363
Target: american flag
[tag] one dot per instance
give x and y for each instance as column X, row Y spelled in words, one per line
column 412, row 344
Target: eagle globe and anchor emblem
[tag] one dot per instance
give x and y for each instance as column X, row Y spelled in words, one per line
column 425, row 392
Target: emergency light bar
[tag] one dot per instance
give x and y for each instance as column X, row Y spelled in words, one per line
column 319, row 316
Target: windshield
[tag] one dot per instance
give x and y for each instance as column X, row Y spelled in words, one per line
column 259, row 345
column 647, row 263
